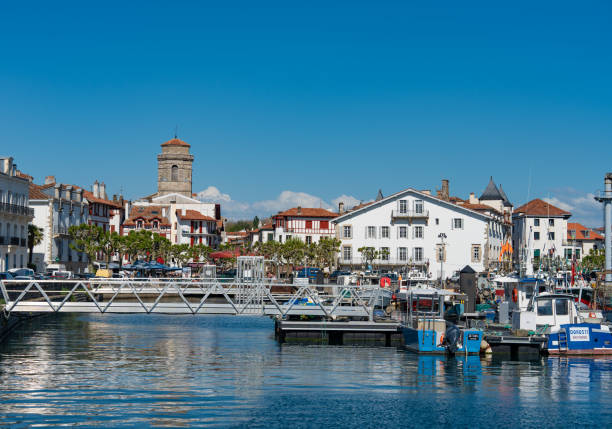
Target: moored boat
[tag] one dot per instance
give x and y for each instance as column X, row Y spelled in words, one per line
column 426, row 331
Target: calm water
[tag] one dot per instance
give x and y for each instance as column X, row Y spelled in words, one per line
column 141, row 370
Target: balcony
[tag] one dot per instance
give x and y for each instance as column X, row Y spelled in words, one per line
column 15, row 209
column 410, row 215
column 359, row 261
column 60, row 230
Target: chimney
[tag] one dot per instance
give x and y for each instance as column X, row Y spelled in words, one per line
column 426, row 191
column 299, row 210
column 96, row 189
column 14, row 170
column 340, row 207
column 102, row 190
column 79, row 196
column 57, row 189
column 68, row 192
column 445, row 190
column 49, row 180
column 473, row 199
column 163, row 212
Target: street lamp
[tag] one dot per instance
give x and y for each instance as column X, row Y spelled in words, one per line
column 441, row 236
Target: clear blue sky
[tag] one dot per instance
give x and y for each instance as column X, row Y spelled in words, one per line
column 324, row 98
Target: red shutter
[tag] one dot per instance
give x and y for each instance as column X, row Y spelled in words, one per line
column 324, row 224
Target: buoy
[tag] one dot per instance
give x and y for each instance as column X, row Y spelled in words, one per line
column 485, row 347
column 514, row 295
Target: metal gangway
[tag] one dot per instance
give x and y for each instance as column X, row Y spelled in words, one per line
column 247, row 294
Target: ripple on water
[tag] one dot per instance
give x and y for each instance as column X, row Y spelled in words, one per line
column 228, row 371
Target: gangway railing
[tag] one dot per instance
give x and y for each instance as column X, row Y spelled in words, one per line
column 186, row 296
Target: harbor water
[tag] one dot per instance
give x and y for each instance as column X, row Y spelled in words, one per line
column 156, row 370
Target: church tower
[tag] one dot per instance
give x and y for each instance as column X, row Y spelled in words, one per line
column 174, row 166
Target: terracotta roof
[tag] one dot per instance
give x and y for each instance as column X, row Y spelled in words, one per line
column 36, row 192
column 538, row 207
column 267, row 225
column 307, row 212
column 456, row 200
column 236, row 234
column 193, row 215
column 147, row 213
column 580, row 232
column 479, row 207
column 175, row 142
column 90, row 197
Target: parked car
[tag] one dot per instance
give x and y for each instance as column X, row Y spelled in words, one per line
column 6, row 276
column 22, row 272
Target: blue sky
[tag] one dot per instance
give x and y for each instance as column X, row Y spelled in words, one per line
column 287, row 102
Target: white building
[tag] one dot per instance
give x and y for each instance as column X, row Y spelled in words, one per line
column 580, row 241
column 539, row 229
column 307, row 224
column 174, row 209
column 408, row 226
column 14, row 216
column 57, row 207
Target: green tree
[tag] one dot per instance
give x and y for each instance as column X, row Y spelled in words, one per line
column 35, row 237
column 327, row 249
column 255, row 222
column 86, row 239
column 293, row 252
column 111, row 243
column 368, row 254
column 595, row 260
column 181, row 253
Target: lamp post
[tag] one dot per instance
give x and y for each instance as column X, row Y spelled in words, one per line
column 441, row 236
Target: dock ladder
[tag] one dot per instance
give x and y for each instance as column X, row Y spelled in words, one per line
column 562, row 340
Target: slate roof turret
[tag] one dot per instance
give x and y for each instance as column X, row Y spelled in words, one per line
column 491, row 192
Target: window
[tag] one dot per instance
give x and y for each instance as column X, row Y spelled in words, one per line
column 418, row 206
column 475, row 252
column 324, row 224
column 561, row 307
column 536, row 222
column 437, row 221
column 371, row 232
column 545, row 307
column 139, row 224
column 308, row 224
column 585, row 232
column 551, row 222
column 418, row 254
column 551, row 235
column 288, row 237
column 577, row 253
column 174, row 173
column 308, row 239
column 417, row 231
column 402, row 254
column 403, row 232
column 347, row 253
column 536, row 235
column 270, row 236
column 568, row 253
column 384, row 253
column 403, row 206
column 384, row 232
column 346, row 231
column 536, row 253
column 458, row 223
column 155, row 224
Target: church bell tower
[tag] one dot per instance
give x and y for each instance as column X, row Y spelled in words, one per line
column 174, row 167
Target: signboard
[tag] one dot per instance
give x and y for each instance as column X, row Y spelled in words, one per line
column 579, row 334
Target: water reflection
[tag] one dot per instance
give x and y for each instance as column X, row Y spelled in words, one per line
column 168, row 370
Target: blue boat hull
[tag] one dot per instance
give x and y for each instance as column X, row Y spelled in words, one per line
column 581, row 339
column 430, row 341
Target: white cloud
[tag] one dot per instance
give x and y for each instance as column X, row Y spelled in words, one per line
column 348, row 200
column 246, row 210
column 288, row 199
column 212, row 194
column 581, row 205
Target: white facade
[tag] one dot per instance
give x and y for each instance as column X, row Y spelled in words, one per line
column 56, row 208
column 306, row 224
column 180, row 229
column 14, row 216
column 408, row 225
column 536, row 235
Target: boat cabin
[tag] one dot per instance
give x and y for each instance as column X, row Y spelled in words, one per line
column 546, row 312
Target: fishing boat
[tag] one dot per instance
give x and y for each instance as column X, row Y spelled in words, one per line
column 569, row 332
column 426, row 331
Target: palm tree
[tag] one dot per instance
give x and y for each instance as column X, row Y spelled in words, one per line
column 35, row 237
